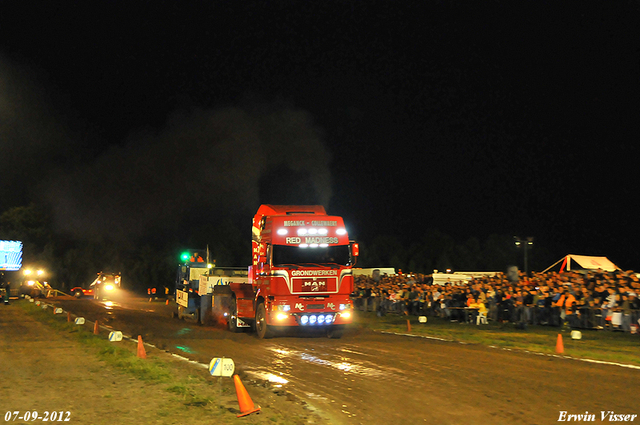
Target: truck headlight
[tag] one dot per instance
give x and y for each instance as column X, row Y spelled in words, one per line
column 282, row 307
column 345, row 314
column 109, row 287
column 282, row 316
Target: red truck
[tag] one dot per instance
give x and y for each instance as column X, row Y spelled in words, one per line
column 300, row 275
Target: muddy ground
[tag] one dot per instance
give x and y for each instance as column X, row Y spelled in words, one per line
column 367, row 377
column 49, row 371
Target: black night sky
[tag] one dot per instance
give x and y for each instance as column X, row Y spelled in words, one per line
column 474, row 118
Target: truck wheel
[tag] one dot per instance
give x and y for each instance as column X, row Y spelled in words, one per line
column 335, row 332
column 262, row 329
column 77, row 294
column 233, row 316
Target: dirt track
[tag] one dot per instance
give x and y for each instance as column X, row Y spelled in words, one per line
column 367, row 377
column 48, row 371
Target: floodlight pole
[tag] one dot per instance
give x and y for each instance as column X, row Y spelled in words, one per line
column 525, row 243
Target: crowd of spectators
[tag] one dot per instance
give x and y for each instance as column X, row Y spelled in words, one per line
column 584, row 299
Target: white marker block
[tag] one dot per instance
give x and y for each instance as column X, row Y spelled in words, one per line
column 57, row 311
column 31, row 300
column 38, row 303
column 422, row 319
column 79, row 321
column 115, row 336
column 221, row 367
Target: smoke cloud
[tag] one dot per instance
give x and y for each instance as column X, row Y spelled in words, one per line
column 204, row 165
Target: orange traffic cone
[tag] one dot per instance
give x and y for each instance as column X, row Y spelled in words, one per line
column 96, row 327
column 559, row 345
column 141, row 351
column 408, row 326
column 167, row 303
column 246, row 405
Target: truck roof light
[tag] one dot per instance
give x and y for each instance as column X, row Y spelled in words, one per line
column 341, row 231
column 313, row 245
column 302, row 231
column 324, row 245
column 313, row 231
column 322, row 231
column 282, row 232
column 304, row 245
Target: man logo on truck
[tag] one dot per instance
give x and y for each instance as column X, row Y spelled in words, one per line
column 314, row 285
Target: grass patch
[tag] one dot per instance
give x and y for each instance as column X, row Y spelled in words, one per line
column 117, row 356
column 123, row 358
column 187, row 388
column 618, row 347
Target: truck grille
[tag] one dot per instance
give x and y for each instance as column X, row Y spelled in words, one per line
column 315, row 306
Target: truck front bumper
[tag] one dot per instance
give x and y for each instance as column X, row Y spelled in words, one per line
column 314, row 319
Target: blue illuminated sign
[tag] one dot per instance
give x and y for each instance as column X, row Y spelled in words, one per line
column 10, row 255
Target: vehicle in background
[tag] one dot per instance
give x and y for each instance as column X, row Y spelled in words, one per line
column 34, row 289
column 192, row 266
column 34, row 284
column 106, row 285
column 80, row 292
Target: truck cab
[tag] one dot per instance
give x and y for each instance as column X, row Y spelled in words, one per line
column 301, row 271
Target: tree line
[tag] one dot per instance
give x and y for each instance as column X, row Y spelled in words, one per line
column 71, row 261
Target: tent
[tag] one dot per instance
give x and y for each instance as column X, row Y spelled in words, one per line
column 584, row 262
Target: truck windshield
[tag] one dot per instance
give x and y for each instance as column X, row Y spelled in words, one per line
column 295, row 255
